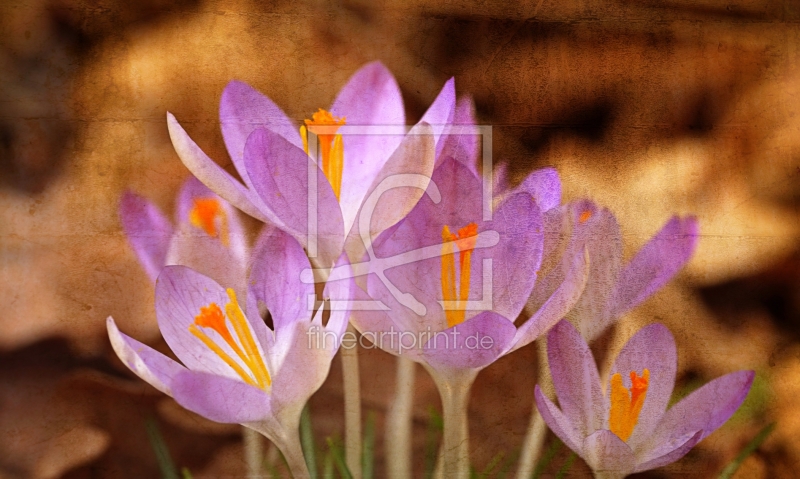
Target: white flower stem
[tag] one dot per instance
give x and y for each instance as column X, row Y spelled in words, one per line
column 537, row 429
column 608, row 475
column 293, row 453
column 352, row 408
column 399, row 422
column 454, row 391
column 253, row 451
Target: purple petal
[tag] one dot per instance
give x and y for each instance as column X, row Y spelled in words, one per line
column 370, row 98
column 221, row 399
column 339, row 293
column 473, row 344
column 652, row 348
column 379, row 329
column 395, row 190
column 605, row 452
column 558, row 422
column 575, row 378
column 440, row 115
column 545, row 187
column 280, row 174
column 278, row 260
column 147, row 363
column 656, row 263
column 147, row 230
column 558, row 305
column 705, row 409
column 242, row 110
column 462, row 142
column 213, row 176
column 180, row 293
column 669, row 453
column 600, row 234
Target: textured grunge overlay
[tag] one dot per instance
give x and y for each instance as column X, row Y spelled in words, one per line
column 650, row 108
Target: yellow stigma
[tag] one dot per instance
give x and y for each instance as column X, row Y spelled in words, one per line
column 324, row 126
column 626, row 405
column 465, row 241
column 204, row 215
column 211, row 317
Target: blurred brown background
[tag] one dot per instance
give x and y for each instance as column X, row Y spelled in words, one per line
column 650, row 107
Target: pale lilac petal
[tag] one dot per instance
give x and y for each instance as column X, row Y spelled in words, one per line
column 147, row 363
column 600, row 234
column 560, row 424
column 499, row 176
column 301, row 365
column 148, row 231
column 473, row 344
column 213, row 176
column 558, row 305
column 558, row 232
column 669, row 453
column 339, row 291
column 463, row 139
column 370, row 98
column 545, row 186
column 242, row 110
column 180, row 293
column 656, row 263
column 395, row 190
column 440, row 116
column 605, row 452
column 280, row 174
column 575, row 377
column 705, row 409
column 652, row 348
column 192, row 190
column 221, row 399
column 278, row 260
column 379, row 329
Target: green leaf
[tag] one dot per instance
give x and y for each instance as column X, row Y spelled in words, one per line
column 186, row 473
column 491, row 466
column 750, row 448
column 565, row 468
column 433, row 435
column 307, row 442
column 327, row 466
column 546, row 459
column 338, row 459
column 168, row 469
column 368, row 448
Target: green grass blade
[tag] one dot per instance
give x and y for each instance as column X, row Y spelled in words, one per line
column 491, row 466
column 327, row 466
column 186, row 473
column 368, row 451
column 338, row 459
column 750, row 448
column 565, row 468
column 165, row 463
column 546, row 459
column 433, row 436
column 307, row 442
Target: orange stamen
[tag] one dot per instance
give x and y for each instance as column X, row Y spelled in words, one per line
column 465, row 241
column 331, row 147
column 204, row 214
column 626, row 405
column 585, row 215
column 211, row 317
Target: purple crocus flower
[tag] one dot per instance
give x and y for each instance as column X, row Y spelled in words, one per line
column 235, row 369
column 207, row 237
column 271, row 154
column 628, row 428
column 611, row 289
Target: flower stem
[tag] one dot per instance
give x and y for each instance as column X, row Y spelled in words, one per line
column 352, row 408
column 253, row 451
column 398, row 422
column 454, row 390
column 293, row 453
column 537, row 429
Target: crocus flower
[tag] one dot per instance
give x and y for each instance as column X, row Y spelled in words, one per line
column 207, row 236
column 627, row 428
column 611, row 289
column 235, row 369
column 453, row 283
column 271, row 154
